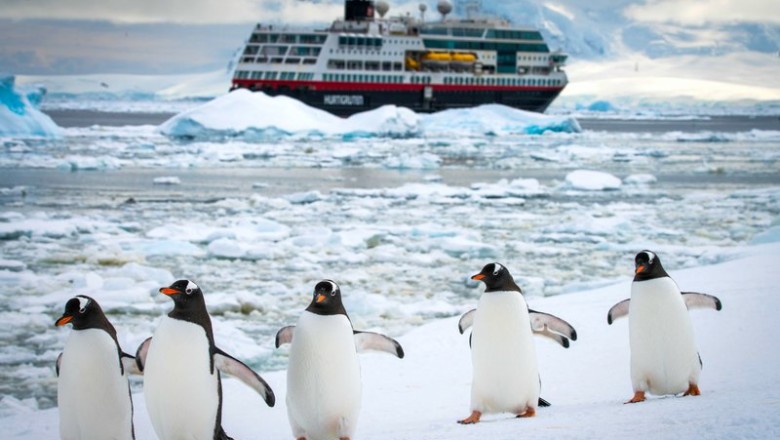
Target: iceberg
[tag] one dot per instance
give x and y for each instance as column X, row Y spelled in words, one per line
column 588, row 180
column 19, row 115
column 255, row 116
column 497, row 120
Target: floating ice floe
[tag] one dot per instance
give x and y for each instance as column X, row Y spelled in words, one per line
column 640, row 179
column 592, row 180
column 496, row 119
column 167, row 180
column 256, row 116
column 19, row 115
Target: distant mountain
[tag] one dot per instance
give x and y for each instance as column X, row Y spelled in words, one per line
column 601, row 28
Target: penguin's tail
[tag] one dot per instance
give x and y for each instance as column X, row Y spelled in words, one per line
column 543, row 403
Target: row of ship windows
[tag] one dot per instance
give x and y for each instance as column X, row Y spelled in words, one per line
column 369, row 65
column 397, row 79
column 488, row 81
column 288, row 38
column 243, row 74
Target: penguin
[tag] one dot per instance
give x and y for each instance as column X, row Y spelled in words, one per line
column 503, row 354
column 182, row 365
column 323, row 377
column 664, row 357
column 93, row 394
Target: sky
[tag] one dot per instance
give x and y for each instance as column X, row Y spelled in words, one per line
column 189, row 36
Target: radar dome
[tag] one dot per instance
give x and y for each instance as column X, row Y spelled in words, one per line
column 422, row 7
column 382, row 7
column 444, row 7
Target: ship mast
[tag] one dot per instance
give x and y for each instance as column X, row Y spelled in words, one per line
column 472, row 8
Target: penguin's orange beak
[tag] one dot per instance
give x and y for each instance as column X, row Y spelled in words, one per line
column 63, row 320
column 320, row 298
column 168, row 291
column 478, row 277
column 640, row 268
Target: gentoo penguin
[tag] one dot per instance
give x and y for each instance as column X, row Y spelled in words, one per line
column 503, row 355
column 664, row 358
column 323, row 376
column 182, row 365
column 93, row 394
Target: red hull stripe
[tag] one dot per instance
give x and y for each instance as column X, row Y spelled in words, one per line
column 383, row 87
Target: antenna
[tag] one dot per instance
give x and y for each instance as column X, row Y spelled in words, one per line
column 472, row 7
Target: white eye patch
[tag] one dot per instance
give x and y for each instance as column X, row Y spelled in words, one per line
column 650, row 256
column 83, row 303
column 191, row 287
column 498, row 268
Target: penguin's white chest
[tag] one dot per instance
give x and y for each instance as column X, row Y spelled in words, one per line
column 664, row 358
column 506, row 376
column 323, row 378
column 180, row 389
column 92, row 394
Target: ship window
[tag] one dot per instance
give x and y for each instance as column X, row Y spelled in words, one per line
column 398, row 66
column 287, row 38
column 336, row 64
column 292, row 61
column 354, row 65
column 387, row 65
column 309, row 61
column 372, row 65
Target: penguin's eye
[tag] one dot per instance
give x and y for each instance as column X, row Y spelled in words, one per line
column 82, row 310
column 333, row 293
column 189, row 291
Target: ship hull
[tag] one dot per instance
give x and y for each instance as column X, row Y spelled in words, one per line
column 346, row 99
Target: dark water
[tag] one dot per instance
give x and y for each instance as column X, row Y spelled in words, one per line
column 729, row 124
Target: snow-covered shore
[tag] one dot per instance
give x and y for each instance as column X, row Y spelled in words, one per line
column 424, row 394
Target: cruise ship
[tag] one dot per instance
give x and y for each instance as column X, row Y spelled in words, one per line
column 365, row 61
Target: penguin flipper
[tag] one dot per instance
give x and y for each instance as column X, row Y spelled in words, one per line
column 562, row 340
column 232, row 366
column 542, row 323
column 284, row 335
column 130, row 365
column 369, row 341
column 466, row 321
column 619, row 310
column 696, row 300
column 140, row 355
column 57, row 366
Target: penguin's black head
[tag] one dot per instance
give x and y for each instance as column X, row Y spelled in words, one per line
column 182, row 291
column 83, row 312
column 496, row 278
column 648, row 266
column 326, row 299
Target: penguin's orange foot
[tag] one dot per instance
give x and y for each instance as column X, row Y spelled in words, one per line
column 693, row 390
column 472, row 419
column 529, row 412
column 639, row 396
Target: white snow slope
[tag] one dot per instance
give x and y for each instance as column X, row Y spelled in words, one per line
column 421, row 396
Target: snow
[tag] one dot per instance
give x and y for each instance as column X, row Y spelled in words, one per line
column 19, row 115
column 587, row 384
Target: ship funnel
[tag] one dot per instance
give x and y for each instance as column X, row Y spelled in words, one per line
column 358, row 10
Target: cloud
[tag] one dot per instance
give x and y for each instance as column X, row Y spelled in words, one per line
column 38, row 47
column 701, row 12
column 174, row 11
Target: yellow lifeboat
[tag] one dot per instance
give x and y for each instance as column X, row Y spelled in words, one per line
column 462, row 61
column 436, row 60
